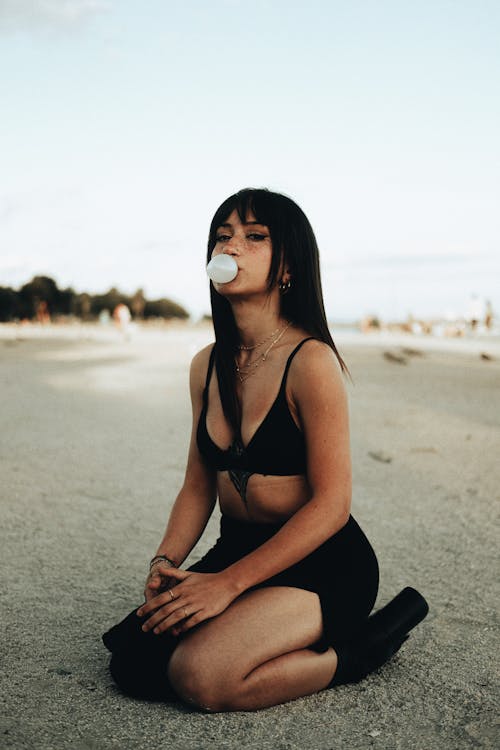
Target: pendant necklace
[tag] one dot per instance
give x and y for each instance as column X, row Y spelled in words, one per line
column 250, row 368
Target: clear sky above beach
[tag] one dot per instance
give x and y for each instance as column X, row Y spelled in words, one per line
column 124, row 124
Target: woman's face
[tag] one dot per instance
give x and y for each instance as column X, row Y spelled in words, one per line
column 250, row 246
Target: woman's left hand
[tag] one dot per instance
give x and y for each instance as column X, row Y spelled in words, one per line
column 197, row 597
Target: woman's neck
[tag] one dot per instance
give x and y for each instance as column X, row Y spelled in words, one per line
column 255, row 323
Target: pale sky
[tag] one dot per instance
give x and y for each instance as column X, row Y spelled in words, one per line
column 125, row 124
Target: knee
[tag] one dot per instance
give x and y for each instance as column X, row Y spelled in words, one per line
column 196, row 682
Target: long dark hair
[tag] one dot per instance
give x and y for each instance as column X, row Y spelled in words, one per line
column 294, row 245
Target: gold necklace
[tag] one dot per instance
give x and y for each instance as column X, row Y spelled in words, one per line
column 245, row 372
column 242, row 347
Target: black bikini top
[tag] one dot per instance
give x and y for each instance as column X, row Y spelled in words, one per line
column 277, row 447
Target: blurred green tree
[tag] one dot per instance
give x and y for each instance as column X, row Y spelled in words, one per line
column 9, row 304
column 164, row 308
column 43, row 294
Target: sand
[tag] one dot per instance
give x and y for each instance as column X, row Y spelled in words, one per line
column 94, row 436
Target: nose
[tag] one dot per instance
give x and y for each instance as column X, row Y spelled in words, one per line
column 230, row 247
column 230, row 250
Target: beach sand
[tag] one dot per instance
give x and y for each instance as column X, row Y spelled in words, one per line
column 94, row 436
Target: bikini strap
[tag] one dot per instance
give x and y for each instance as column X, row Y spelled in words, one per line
column 209, row 375
column 292, row 355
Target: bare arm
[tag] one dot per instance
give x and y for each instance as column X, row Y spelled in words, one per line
column 196, row 500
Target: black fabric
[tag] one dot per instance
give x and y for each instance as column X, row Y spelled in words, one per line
column 380, row 637
column 343, row 571
column 358, row 658
column 277, row 447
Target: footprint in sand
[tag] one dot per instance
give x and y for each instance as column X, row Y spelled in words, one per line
column 398, row 358
column 380, row 456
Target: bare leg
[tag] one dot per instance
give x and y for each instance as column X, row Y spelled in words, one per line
column 285, row 678
column 255, row 654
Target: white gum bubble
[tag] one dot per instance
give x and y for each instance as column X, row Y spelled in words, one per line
column 222, row 268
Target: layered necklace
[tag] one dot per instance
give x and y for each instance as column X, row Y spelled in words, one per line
column 242, row 347
column 251, row 367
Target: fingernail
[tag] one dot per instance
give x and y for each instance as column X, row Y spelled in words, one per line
column 139, row 613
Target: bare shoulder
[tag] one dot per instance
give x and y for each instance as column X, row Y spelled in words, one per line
column 316, row 369
column 199, row 367
column 315, row 357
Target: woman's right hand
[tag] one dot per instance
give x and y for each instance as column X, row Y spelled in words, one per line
column 158, row 581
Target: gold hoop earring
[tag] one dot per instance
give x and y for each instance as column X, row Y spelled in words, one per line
column 284, row 286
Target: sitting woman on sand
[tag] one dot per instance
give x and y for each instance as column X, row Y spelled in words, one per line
column 280, row 607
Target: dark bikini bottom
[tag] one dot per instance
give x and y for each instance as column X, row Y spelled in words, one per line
column 343, row 571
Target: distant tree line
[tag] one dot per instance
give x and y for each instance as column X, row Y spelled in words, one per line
column 42, row 297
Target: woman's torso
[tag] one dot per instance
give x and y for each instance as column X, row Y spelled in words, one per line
column 263, row 477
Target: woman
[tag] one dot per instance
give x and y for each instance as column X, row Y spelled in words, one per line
column 279, row 607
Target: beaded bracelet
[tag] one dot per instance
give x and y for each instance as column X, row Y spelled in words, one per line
column 162, row 558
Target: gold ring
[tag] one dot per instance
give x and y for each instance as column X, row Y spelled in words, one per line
column 171, row 595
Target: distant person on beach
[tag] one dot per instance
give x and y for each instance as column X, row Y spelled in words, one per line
column 475, row 311
column 280, row 606
column 488, row 315
column 42, row 313
column 122, row 316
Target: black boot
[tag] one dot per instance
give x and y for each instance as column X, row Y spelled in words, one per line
column 380, row 638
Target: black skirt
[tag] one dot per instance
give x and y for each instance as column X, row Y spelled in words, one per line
column 343, row 571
